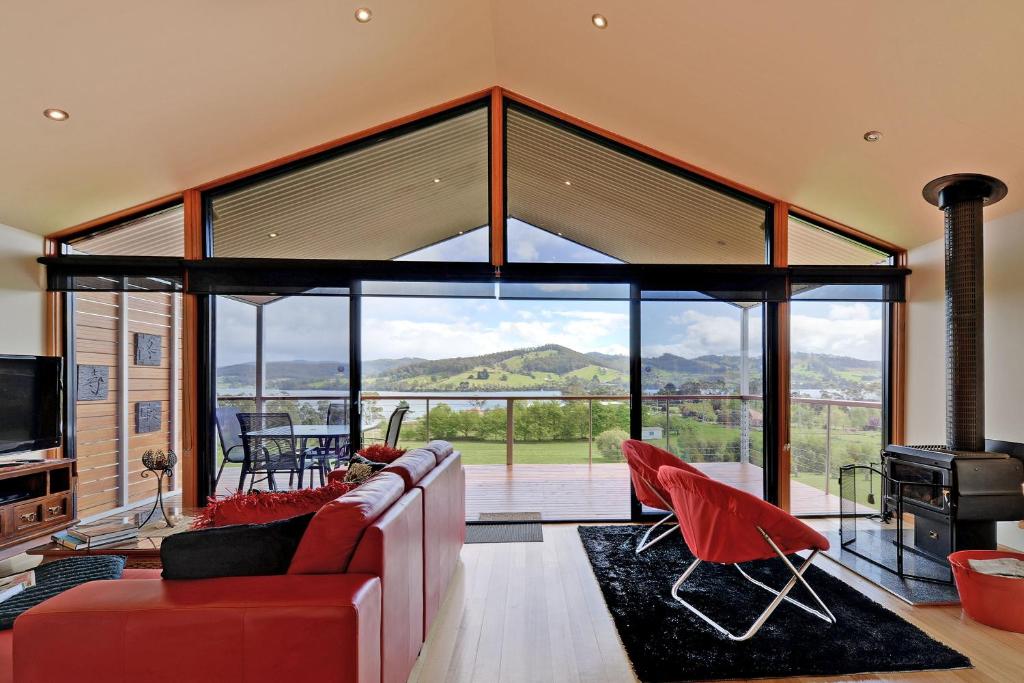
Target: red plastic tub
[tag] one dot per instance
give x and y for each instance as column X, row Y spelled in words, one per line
column 996, row 601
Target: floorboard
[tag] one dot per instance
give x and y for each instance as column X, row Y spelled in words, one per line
column 534, row 612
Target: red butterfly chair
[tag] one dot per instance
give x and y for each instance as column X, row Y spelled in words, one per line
column 644, row 460
column 724, row 525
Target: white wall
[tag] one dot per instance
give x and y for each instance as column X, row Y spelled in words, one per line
column 1004, row 342
column 22, row 293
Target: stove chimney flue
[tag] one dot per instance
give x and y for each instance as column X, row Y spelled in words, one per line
column 961, row 198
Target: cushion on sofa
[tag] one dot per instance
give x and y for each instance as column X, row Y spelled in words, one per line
column 238, row 550
column 441, row 449
column 335, row 530
column 260, row 507
column 380, row 452
column 413, row 466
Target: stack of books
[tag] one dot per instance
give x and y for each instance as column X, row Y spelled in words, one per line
column 96, row 534
column 12, row 585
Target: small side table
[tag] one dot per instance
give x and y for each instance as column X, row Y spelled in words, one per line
column 140, row 553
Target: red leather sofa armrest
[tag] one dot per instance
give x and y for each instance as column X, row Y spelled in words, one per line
column 251, row 629
column 444, row 531
column 392, row 548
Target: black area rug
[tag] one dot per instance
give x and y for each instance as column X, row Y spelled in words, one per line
column 666, row 642
column 504, row 533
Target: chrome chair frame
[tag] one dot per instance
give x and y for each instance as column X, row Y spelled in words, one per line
column 780, row 595
column 644, row 543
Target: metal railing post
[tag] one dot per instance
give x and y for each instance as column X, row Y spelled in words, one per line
column 427, row 420
column 510, row 431
column 668, row 427
column 590, row 432
column 828, row 446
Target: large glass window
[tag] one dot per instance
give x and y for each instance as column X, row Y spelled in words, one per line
column 529, row 381
column 703, row 385
column 837, row 385
column 572, row 184
column 378, row 200
column 530, row 244
column 280, row 354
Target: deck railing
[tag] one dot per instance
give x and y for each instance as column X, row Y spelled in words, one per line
column 524, row 428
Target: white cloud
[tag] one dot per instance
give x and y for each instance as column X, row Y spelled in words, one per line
column 702, row 334
column 859, row 337
column 853, row 311
column 524, row 251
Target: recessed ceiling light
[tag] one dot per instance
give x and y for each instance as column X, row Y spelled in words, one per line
column 363, row 15
column 437, row 180
column 600, row 20
column 559, row 234
column 873, row 135
column 56, row 114
column 568, row 182
column 462, row 232
column 272, row 235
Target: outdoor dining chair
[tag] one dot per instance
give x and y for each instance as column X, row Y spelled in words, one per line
column 338, row 414
column 231, row 445
column 271, row 447
column 395, row 426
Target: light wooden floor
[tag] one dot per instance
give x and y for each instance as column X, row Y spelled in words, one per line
column 533, row 613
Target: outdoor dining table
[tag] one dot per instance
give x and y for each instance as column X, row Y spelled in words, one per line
column 327, row 436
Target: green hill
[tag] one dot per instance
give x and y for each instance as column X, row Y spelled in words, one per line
column 557, row 368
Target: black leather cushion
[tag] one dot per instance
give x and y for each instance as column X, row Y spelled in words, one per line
column 240, row 550
column 54, row 578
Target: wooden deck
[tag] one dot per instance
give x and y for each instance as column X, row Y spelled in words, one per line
column 581, row 492
column 601, row 491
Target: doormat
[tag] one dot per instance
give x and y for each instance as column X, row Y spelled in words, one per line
column 510, row 517
column 504, row 533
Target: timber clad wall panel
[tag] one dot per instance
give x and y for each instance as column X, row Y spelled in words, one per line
column 96, row 428
column 98, row 424
column 148, row 313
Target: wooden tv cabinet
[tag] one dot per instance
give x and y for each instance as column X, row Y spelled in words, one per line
column 36, row 499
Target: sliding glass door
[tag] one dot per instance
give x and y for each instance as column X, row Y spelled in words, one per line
column 530, row 382
column 837, row 393
column 278, row 354
column 702, row 383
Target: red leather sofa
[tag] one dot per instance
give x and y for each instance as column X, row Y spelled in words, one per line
column 363, row 588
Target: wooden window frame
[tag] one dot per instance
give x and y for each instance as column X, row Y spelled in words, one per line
column 195, row 321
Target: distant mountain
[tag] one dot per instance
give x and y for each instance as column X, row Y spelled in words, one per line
column 383, row 365
column 550, row 367
column 557, row 368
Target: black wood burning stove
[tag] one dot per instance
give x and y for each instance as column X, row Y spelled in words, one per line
column 956, row 497
column 957, row 492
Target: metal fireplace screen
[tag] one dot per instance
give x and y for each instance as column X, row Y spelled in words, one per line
column 888, row 542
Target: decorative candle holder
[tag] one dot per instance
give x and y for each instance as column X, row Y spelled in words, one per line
column 162, row 465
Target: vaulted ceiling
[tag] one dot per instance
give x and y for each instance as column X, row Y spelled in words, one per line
column 165, row 96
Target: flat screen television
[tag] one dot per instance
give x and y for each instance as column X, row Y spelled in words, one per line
column 30, row 403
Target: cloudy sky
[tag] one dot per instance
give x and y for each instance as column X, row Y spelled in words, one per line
column 315, row 328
